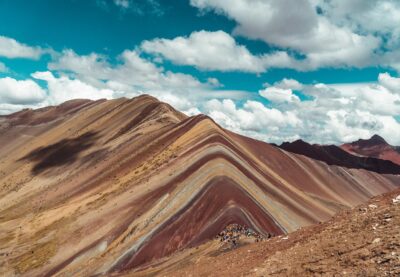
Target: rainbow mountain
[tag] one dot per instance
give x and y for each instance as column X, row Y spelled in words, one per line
column 110, row 187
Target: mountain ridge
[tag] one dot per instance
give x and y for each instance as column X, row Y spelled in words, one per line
column 96, row 190
column 335, row 155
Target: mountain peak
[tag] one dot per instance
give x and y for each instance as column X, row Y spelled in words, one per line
column 375, row 147
column 377, row 139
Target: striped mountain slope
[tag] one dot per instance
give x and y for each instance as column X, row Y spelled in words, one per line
column 108, row 187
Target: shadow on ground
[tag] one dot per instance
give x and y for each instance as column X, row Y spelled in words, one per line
column 62, row 153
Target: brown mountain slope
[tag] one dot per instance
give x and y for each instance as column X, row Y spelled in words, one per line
column 375, row 147
column 110, row 187
column 363, row 241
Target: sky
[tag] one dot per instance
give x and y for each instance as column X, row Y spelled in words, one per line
column 325, row 71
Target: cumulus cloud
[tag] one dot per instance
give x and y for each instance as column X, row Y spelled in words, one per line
column 211, row 51
column 219, row 51
column 10, row 48
column 345, row 112
column 289, row 84
column 354, row 110
column 20, row 92
column 346, row 126
column 131, row 70
column 63, row 88
column 69, row 60
column 253, row 119
column 366, row 16
column 282, row 92
column 279, row 95
column 389, row 82
column 308, row 32
column 333, row 113
column 373, row 97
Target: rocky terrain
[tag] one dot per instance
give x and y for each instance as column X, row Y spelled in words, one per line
column 131, row 186
column 363, row 241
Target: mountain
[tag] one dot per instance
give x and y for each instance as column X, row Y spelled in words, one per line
column 375, row 147
column 334, row 155
column 115, row 186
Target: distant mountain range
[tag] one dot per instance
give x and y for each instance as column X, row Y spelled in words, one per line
column 113, row 187
column 375, row 147
column 373, row 154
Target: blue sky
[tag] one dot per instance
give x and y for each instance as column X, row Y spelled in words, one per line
column 273, row 70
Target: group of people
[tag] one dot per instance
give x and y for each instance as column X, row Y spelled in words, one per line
column 232, row 233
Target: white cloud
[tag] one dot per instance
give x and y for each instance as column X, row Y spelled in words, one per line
column 282, row 92
column 345, row 112
column 366, row 16
column 20, row 92
column 281, row 24
column 279, row 95
column 253, row 119
column 219, row 51
column 93, row 63
column 335, row 113
column 132, row 70
column 209, row 51
column 351, row 111
column 379, row 18
column 289, row 84
column 372, row 97
column 389, row 82
column 346, row 126
column 10, row 48
column 63, row 88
